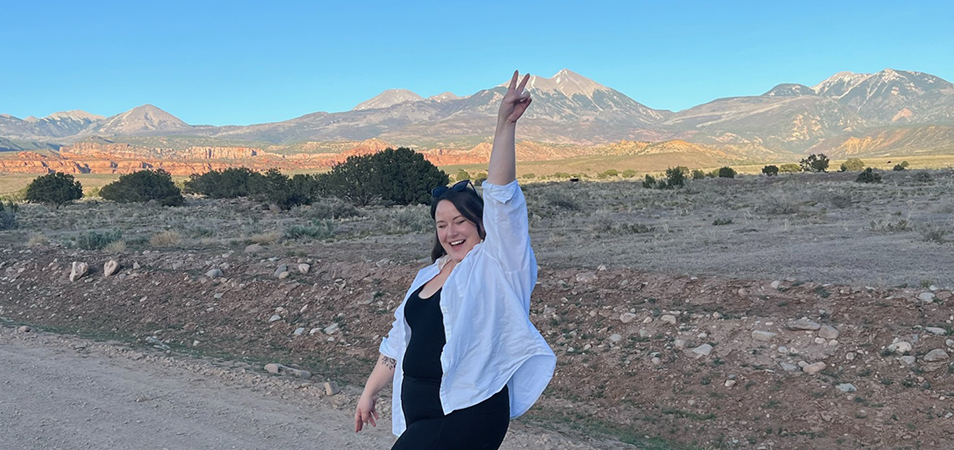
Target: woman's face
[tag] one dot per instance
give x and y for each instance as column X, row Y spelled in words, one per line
column 455, row 233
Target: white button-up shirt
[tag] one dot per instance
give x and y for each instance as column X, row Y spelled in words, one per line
column 490, row 341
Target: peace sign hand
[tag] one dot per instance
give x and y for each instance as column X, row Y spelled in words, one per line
column 515, row 101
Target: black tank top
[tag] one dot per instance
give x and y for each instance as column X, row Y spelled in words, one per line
column 423, row 356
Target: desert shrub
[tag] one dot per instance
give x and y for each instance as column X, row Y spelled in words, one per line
column 853, row 165
column 166, row 238
column 628, row 173
column 900, row 167
column 675, row 177
column 840, row 200
column 529, row 176
column 934, row 233
column 93, row 240
column 610, row 173
column 727, row 172
column 790, row 168
column 780, row 204
column 319, row 229
column 923, row 176
column 721, row 221
column 815, row 163
column 332, row 208
column 561, row 200
column 463, row 175
column 400, row 177
column 143, row 186
column 887, row 226
column 868, row 176
column 8, row 217
column 227, row 183
column 411, row 218
column 649, row 181
column 698, row 174
column 56, row 189
column 770, row 170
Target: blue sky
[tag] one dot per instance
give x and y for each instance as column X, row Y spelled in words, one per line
column 238, row 62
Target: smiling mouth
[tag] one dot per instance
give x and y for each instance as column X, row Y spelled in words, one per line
column 456, row 243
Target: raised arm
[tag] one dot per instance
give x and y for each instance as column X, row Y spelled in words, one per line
column 503, row 159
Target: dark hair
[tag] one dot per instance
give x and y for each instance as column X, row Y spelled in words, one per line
column 469, row 204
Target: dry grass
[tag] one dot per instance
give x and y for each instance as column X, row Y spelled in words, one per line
column 166, row 238
column 38, row 239
column 268, row 237
column 115, row 247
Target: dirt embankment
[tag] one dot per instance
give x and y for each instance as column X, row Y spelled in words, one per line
column 644, row 358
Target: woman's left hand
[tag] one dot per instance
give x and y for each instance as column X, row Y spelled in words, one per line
column 515, row 101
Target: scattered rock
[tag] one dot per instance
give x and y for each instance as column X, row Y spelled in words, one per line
column 804, row 324
column 155, row 342
column 279, row 369
column 850, row 356
column 776, row 284
column 303, row 268
column 729, row 383
column 280, row 270
column 110, row 267
column 788, row 367
column 764, row 336
column 846, row 387
column 331, row 388
column 828, row 332
column 136, row 265
column 78, row 270
column 926, row 297
column 299, row 331
column 615, row 337
column 214, row 273
column 814, row 367
column 702, row 350
column 949, row 342
column 900, row 347
column 331, row 329
column 936, row 330
column 254, row 248
column 668, row 318
column 274, row 318
column 648, row 320
column 382, row 263
column 908, row 360
column 585, row 277
column 627, row 317
column 24, row 329
column 679, row 343
column 313, row 331
column 937, row 354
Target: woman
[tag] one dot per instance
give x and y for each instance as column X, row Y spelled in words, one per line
column 462, row 352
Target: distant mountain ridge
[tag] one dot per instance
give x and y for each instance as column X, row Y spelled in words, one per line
column 569, row 109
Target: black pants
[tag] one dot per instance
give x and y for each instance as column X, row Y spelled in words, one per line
column 479, row 427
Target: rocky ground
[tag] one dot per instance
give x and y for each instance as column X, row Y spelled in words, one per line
column 646, row 359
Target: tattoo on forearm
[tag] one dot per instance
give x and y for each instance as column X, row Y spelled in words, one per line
column 390, row 363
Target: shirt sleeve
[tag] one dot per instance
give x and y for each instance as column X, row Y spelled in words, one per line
column 507, row 226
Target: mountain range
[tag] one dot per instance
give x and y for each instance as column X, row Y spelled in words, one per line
column 885, row 113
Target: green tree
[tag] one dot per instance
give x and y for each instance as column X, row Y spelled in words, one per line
column 143, row 186
column 462, row 175
column 815, row 163
column 400, row 177
column 227, row 183
column 649, row 182
column 868, row 176
column 8, row 217
column 698, row 174
column 629, row 173
column 770, row 170
column 727, row 172
column 902, row 166
column 790, row 168
column 55, row 189
column 675, row 177
column 853, row 165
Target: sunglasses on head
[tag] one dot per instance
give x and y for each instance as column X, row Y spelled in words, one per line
column 457, row 187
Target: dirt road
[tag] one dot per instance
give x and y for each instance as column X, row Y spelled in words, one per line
column 61, row 392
